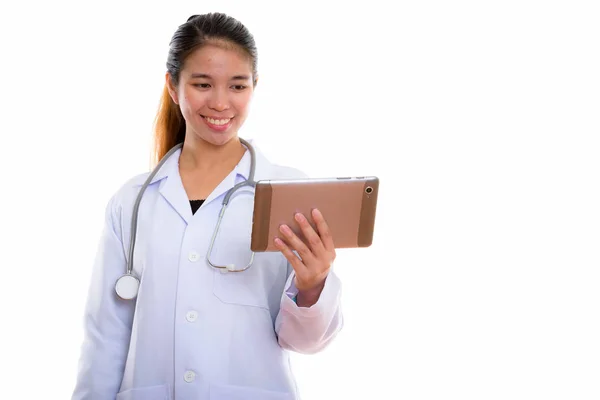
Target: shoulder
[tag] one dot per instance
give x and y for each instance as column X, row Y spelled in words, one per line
column 267, row 169
column 129, row 189
column 122, row 200
column 287, row 172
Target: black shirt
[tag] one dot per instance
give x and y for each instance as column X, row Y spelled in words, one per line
column 195, row 205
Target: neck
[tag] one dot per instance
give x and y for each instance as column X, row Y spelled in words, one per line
column 200, row 155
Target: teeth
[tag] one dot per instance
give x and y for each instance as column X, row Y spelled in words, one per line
column 218, row 121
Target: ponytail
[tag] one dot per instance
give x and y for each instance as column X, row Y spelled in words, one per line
column 169, row 126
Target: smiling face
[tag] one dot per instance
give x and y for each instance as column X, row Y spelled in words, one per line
column 214, row 92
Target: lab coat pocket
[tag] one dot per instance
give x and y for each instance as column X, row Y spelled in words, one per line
column 160, row 392
column 260, row 286
column 228, row 392
column 240, row 288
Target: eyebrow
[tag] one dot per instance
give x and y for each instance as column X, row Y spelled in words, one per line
column 234, row 78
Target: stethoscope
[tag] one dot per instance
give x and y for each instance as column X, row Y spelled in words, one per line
column 127, row 285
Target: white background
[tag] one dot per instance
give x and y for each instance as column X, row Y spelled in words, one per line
column 480, row 118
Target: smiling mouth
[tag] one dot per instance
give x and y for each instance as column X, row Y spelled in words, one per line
column 217, row 121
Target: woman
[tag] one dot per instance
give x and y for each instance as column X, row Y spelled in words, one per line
column 194, row 331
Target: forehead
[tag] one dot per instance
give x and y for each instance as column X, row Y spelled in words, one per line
column 218, row 60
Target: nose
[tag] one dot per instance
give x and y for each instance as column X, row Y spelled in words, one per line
column 218, row 100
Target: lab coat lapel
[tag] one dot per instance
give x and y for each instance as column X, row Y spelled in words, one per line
column 222, row 187
column 172, row 188
column 241, row 170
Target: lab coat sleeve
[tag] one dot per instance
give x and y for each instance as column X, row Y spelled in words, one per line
column 308, row 330
column 107, row 319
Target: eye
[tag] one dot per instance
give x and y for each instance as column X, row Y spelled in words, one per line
column 239, row 88
column 201, row 85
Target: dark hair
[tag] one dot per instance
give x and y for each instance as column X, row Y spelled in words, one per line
column 197, row 31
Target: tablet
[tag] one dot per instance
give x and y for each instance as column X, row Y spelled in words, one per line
column 348, row 205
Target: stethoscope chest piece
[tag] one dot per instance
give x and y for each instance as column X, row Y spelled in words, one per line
column 127, row 287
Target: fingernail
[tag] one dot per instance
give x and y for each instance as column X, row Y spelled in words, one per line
column 284, row 229
column 317, row 213
column 299, row 217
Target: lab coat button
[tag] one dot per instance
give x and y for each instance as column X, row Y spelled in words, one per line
column 191, row 316
column 189, row 376
column 193, row 256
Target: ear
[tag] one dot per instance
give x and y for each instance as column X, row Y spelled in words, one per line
column 172, row 89
column 255, row 80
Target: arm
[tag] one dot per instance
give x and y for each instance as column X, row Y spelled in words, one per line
column 107, row 320
column 305, row 328
column 309, row 324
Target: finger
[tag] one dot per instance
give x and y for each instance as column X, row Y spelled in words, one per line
column 293, row 259
column 295, row 243
column 324, row 231
column 312, row 237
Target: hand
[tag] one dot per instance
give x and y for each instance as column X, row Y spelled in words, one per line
column 314, row 257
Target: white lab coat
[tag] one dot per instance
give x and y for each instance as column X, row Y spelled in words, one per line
column 195, row 332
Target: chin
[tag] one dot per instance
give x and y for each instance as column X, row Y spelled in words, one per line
column 219, row 139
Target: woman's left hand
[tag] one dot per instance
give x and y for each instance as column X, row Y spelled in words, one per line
column 315, row 256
